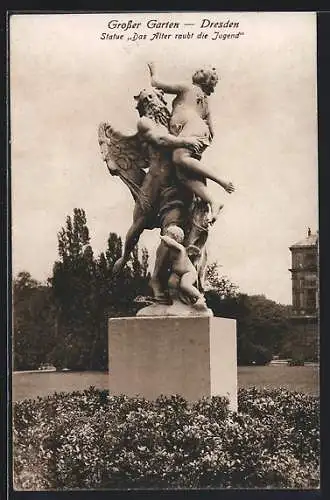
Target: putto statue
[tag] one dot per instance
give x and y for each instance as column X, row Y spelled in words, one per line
column 161, row 166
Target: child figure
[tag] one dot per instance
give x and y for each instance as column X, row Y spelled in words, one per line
column 181, row 266
column 191, row 117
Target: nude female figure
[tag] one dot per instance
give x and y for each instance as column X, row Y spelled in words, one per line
column 191, row 117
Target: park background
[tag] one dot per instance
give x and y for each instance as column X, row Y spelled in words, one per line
column 68, row 220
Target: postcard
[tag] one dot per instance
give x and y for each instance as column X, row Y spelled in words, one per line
column 164, row 180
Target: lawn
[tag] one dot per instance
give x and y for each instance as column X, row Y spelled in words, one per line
column 295, row 378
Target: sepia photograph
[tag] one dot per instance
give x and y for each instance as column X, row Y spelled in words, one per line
column 165, row 251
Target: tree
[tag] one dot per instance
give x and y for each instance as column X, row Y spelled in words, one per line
column 71, row 274
column 218, row 283
column 267, row 321
column 262, row 326
column 73, row 284
column 33, row 319
column 87, row 293
column 221, row 294
column 23, row 282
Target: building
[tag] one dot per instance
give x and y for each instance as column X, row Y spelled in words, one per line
column 304, row 272
column 305, row 294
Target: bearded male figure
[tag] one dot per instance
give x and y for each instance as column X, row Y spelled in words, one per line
column 160, row 199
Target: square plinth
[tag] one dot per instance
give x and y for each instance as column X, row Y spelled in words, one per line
column 193, row 357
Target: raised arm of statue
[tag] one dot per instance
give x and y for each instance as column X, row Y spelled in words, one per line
column 168, row 87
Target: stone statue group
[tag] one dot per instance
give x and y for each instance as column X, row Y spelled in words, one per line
column 162, row 166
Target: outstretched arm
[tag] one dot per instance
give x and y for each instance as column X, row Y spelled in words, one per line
column 169, row 88
column 157, row 136
column 227, row 186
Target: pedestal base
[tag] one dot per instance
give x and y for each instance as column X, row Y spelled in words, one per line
column 176, row 309
column 190, row 356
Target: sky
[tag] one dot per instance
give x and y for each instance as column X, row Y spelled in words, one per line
column 65, row 80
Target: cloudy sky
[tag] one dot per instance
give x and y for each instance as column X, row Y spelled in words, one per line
column 65, row 80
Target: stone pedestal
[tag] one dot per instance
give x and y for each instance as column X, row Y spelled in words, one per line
column 190, row 356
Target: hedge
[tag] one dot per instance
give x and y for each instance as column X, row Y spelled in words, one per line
column 90, row 440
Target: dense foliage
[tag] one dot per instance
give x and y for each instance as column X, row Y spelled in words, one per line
column 263, row 326
column 34, row 322
column 64, row 322
column 90, row 440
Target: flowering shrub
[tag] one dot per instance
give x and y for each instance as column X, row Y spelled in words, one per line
column 92, row 440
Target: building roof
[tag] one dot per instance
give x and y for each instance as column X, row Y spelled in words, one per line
column 311, row 240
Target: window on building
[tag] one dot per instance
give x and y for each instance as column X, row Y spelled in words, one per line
column 297, row 260
column 311, row 299
column 310, row 259
column 310, row 281
column 296, row 301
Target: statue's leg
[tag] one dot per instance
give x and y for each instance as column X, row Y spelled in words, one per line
column 155, row 282
column 201, row 190
column 182, row 157
column 132, row 238
column 195, row 183
column 187, row 287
